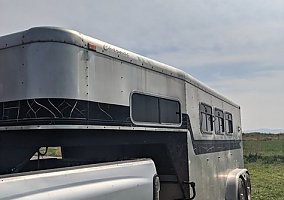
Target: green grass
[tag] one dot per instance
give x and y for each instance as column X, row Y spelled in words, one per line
column 267, row 180
column 264, row 158
column 264, row 147
column 51, row 151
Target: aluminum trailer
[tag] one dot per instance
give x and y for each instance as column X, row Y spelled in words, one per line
column 101, row 103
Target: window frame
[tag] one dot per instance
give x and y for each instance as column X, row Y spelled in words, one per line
column 200, row 119
column 154, row 123
column 228, row 133
column 217, row 118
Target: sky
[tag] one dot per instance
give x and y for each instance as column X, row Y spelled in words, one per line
column 235, row 47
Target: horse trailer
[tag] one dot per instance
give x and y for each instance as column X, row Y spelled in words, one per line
column 99, row 103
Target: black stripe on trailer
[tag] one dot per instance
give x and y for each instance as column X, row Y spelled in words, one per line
column 54, row 111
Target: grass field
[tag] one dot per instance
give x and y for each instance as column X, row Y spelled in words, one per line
column 264, row 158
column 267, row 181
column 264, row 148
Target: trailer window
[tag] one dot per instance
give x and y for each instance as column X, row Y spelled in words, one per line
column 229, row 123
column 145, row 108
column 158, row 110
column 219, row 121
column 169, row 111
column 206, row 118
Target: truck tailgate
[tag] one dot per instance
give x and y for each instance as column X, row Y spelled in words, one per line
column 117, row 180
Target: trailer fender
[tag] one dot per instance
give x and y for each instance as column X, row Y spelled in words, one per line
column 238, row 185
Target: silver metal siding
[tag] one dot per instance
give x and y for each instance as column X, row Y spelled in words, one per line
column 52, row 34
column 209, row 171
column 43, row 70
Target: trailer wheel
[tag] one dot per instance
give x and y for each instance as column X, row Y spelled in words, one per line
column 246, row 177
column 242, row 192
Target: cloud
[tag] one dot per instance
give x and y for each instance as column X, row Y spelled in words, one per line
column 266, row 83
column 261, row 97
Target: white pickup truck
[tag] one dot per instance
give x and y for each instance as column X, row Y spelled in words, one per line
column 134, row 179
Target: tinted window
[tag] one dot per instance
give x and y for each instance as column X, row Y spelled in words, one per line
column 170, row 111
column 206, row 118
column 146, row 108
column 219, row 121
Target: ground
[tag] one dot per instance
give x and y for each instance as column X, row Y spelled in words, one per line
column 264, row 158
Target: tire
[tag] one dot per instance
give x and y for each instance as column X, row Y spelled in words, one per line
column 242, row 191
